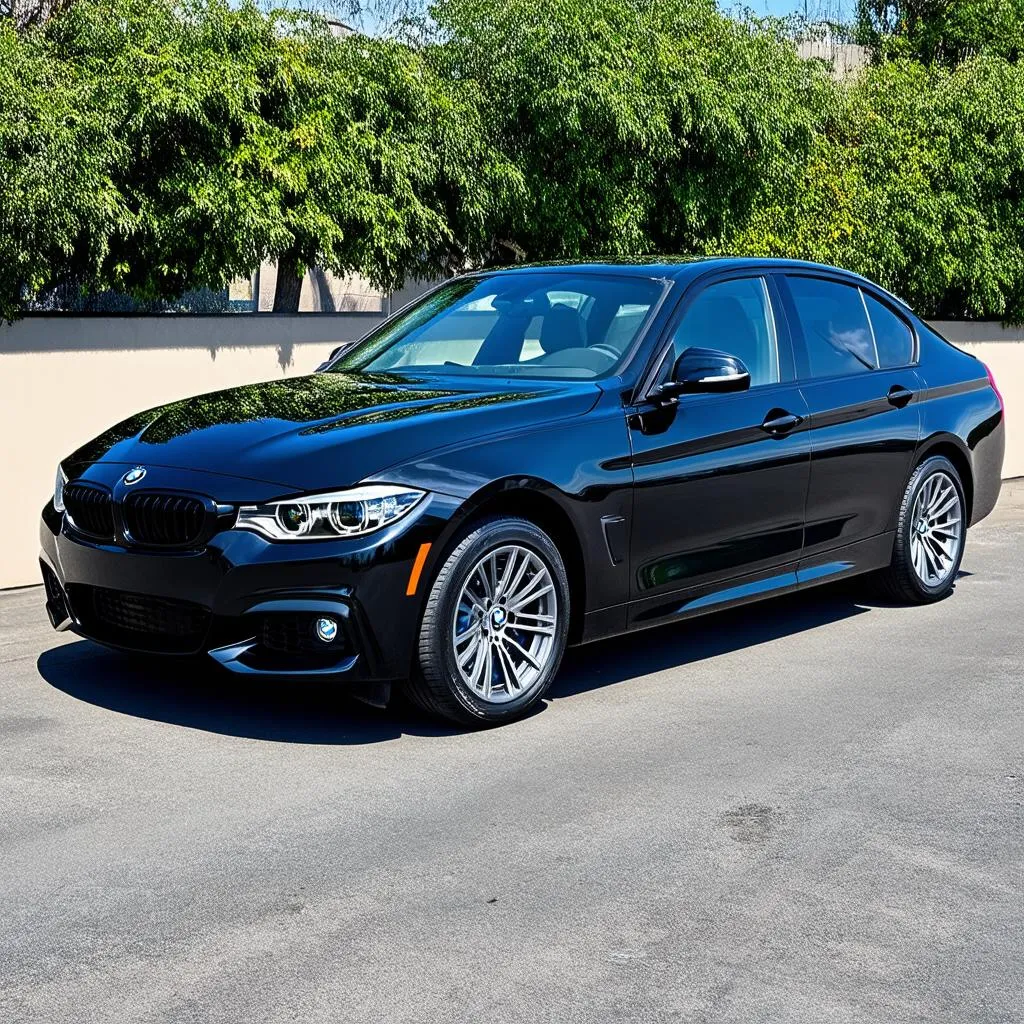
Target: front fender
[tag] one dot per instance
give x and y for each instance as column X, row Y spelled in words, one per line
column 583, row 467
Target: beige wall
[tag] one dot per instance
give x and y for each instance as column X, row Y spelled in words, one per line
column 64, row 380
column 1001, row 349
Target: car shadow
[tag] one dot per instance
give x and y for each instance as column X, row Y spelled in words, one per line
column 678, row 644
column 197, row 696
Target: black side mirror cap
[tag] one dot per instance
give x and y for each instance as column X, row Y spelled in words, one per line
column 704, row 371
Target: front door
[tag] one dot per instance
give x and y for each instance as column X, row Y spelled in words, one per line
column 721, row 480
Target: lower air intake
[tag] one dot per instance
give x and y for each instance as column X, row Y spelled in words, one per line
column 139, row 621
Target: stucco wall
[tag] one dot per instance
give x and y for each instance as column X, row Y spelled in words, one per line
column 1001, row 349
column 64, row 380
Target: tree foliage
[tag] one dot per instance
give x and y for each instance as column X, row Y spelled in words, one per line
column 159, row 146
column 229, row 136
column 917, row 184
column 59, row 207
column 942, row 31
column 636, row 126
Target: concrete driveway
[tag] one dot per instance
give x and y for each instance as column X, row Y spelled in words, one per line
column 809, row 810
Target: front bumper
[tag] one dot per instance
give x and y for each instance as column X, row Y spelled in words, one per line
column 251, row 604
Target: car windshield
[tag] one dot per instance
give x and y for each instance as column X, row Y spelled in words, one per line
column 557, row 324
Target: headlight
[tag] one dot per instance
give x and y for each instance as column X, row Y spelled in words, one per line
column 58, row 489
column 323, row 516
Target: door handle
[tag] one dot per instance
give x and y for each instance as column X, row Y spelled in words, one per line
column 779, row 422
column 899, row 396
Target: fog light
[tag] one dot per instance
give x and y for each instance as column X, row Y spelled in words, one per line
column 326, row 629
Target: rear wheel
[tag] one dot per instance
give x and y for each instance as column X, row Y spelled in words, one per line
column 495, row 625
column 929, row 535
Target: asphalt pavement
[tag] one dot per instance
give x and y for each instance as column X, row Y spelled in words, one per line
column 809, row 810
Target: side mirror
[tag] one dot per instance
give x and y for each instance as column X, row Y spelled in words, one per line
column 704, row 371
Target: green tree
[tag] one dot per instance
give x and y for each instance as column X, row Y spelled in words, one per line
column 158, row 146
column 745, row 113
column 59, row 206
column 195, row 139
column 917, row 184
column 636, row 126
column 942, row 31
column 251, row 136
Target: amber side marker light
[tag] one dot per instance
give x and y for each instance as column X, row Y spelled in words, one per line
column 417, row 569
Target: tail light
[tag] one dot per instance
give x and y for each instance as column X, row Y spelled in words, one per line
column 992, row 382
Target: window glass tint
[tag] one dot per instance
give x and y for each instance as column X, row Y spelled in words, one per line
column 734, row 317
column 893, row 340
column 556, row 324
column 835, row 326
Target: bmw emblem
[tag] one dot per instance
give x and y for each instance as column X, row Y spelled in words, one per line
column 133, row 476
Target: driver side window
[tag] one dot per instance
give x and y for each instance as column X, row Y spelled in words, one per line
column 735, row 317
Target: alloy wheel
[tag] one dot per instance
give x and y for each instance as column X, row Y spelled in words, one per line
column 505, row 624
column 936, row 529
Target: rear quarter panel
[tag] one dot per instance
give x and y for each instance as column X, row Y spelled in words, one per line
column 960, row 410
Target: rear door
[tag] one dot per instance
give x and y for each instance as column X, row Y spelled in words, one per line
column 855, row 356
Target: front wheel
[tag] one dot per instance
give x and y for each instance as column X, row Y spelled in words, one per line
column 930, row 535
column 495, row 625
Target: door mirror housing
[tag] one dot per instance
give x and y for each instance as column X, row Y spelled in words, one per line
column 704, row 371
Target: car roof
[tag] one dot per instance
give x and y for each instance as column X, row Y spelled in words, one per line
column 682, row 268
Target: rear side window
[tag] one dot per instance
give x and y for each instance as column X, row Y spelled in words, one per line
column 835, row 327
column 893, row 340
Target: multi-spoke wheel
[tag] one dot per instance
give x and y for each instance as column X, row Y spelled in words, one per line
column 503, row 633
column 936, row 524
column 930, row 534
column 495, row 625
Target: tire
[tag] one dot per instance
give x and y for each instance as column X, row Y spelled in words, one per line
column 904, row 580
column 466, row 600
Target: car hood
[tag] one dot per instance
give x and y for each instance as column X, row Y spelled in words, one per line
column 330, row 430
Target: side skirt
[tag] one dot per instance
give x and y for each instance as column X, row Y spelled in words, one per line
column 854, row 559
column 863, row 556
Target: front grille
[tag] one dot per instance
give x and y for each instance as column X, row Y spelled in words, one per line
column 91, row 510
column 140, row 621
column 164, row 520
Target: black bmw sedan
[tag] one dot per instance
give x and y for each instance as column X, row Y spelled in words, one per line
column 525, row 459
